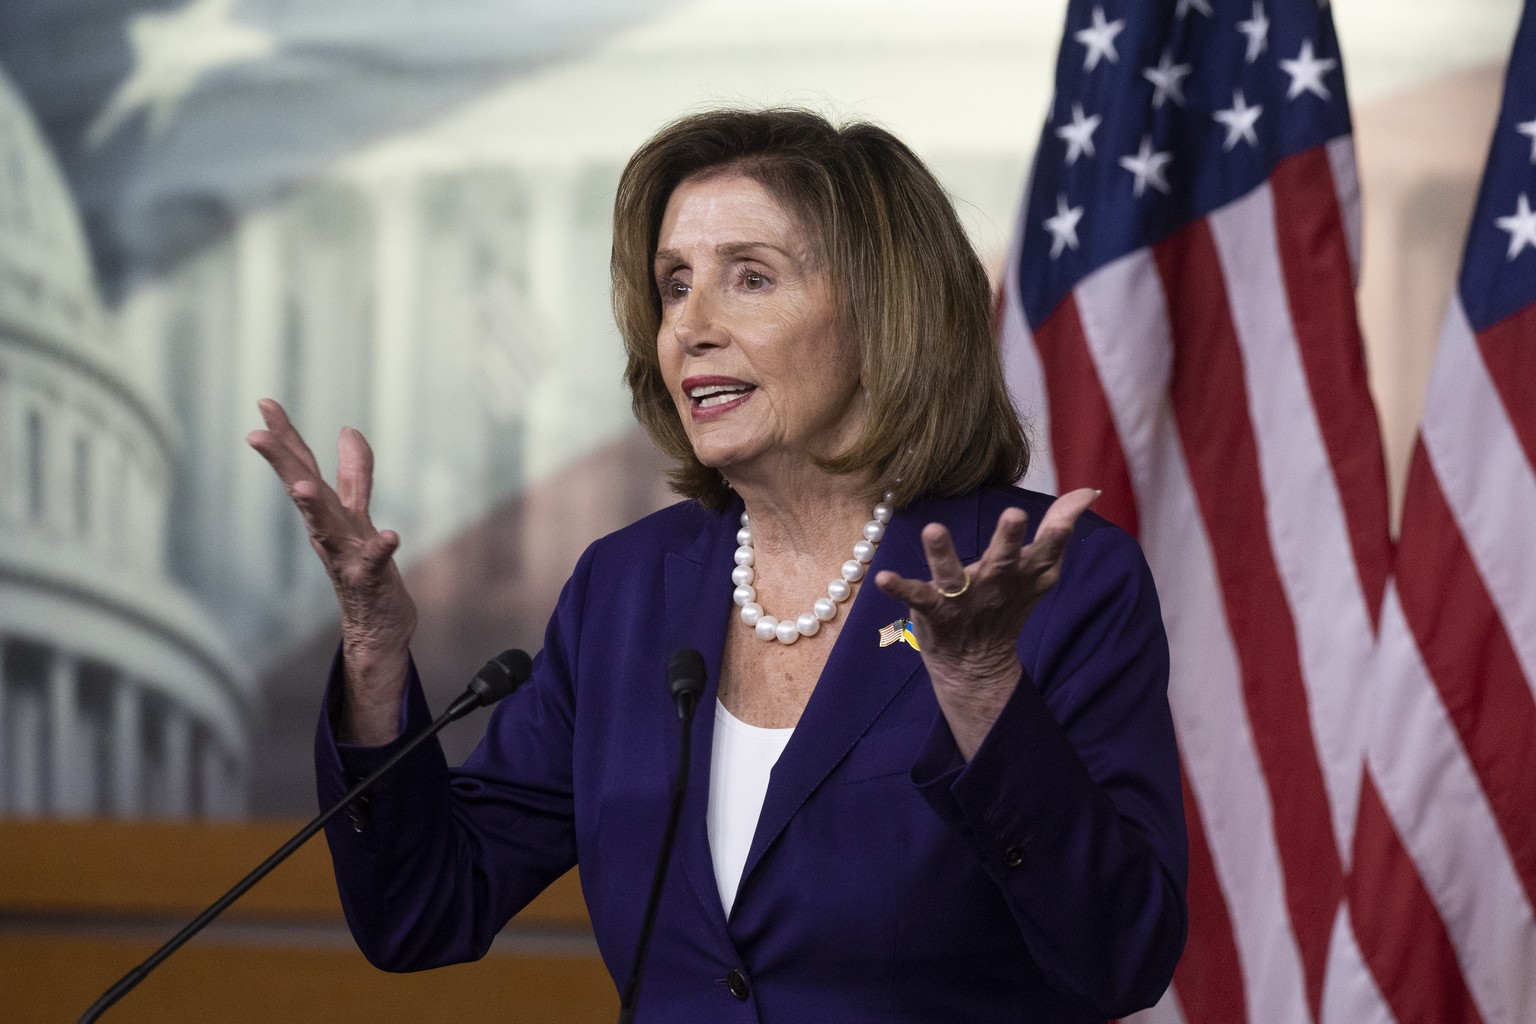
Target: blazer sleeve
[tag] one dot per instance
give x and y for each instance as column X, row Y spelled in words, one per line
column 1073, row 801
column 434, row 861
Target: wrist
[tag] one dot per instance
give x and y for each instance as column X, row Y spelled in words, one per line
column 373, row 678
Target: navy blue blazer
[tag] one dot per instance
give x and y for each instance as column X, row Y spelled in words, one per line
column 1043, row 881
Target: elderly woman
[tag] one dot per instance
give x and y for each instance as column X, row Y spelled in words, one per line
column 951, row 795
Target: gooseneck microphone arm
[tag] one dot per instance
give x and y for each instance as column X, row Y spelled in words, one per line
column 685, row 681
column 498, row 678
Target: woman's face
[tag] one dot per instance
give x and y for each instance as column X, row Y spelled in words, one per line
column 749, row 345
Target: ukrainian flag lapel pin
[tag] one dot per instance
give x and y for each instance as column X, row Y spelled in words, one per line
column 899, row 631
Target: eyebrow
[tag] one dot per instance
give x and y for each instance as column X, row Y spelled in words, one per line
column 728, row 250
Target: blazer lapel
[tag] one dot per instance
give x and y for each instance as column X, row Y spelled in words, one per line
column 860, row 678
column 697, row 593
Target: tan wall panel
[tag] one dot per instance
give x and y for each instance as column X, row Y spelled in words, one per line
column 56, row 978
column 140, row 868
column 82, row 903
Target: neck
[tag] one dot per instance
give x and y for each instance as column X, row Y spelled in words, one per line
column 807, row 521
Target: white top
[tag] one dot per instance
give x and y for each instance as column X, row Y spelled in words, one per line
column 743, row 757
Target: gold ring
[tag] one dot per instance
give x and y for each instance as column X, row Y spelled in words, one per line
column 957, row 592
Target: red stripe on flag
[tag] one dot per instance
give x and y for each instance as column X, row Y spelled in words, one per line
column 1398, row 928
column 1211, row 408
column 1084, row 441
column 1209, row 978
column 1314, row 255
column 1471, row 660
column 1509, row 352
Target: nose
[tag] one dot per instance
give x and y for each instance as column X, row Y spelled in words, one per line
column 696, row 323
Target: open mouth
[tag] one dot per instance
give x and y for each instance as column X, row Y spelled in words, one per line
column 714, row 396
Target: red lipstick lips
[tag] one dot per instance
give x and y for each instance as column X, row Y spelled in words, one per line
column 713, row 396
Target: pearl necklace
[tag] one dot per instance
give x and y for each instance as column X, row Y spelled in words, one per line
column 788, row 630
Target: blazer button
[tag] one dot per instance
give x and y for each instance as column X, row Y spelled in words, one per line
column 1013, row 856
column 357, row 812
column 737, row 983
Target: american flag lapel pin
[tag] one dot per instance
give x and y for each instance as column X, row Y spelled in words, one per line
column 899, row 631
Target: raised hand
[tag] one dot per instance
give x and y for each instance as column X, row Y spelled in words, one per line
column 968, row 618
column 377, row 613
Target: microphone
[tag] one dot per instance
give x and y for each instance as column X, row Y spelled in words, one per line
column 685, row 682
column 497, row 679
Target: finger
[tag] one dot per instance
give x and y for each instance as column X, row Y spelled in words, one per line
column 314, row 498
column 1007, row 540
column 289, row 469
column 354, row 470
column 943, row 564
column 1064, row 511
column 917, row 595
column 1044, row 556
column 381, row 547
column 325, row 520
column 281, row 428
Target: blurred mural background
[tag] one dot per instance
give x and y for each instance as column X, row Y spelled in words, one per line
column 393, row 214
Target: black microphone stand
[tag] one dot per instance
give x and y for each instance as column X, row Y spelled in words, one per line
column 500, row 676
column 685, row 678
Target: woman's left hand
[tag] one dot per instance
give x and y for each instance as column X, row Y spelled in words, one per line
column 968, row 618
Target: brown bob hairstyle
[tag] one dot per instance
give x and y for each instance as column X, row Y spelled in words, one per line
column 906, row 285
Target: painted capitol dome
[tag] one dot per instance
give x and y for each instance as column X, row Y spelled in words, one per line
column 118, row 695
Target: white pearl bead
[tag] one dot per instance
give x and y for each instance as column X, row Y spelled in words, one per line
column 787, row 631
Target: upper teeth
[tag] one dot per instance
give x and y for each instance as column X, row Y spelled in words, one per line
column 710, row 395
column 714, row 389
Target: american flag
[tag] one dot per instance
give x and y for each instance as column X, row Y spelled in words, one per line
column 1180, row 330
column 1445, row 849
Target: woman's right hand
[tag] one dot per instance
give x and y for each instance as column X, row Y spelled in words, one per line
column 377, row 614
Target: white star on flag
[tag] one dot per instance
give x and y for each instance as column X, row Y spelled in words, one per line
column 1063, row 226
column 1185, row 6
column 171, row 52
column 1239, row 120
column 1099, row 38
column 1307, row 72
column 1147, row 165
column 1256, row 29
column 1529, row 128
column 1521, row 226
column 1167, row 80
column 1079, row 134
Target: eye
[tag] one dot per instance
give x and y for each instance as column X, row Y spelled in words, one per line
column 671, row 289
column 752, row 281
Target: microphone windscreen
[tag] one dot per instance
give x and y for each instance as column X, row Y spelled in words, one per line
column 685, row 673
column 503, row 674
